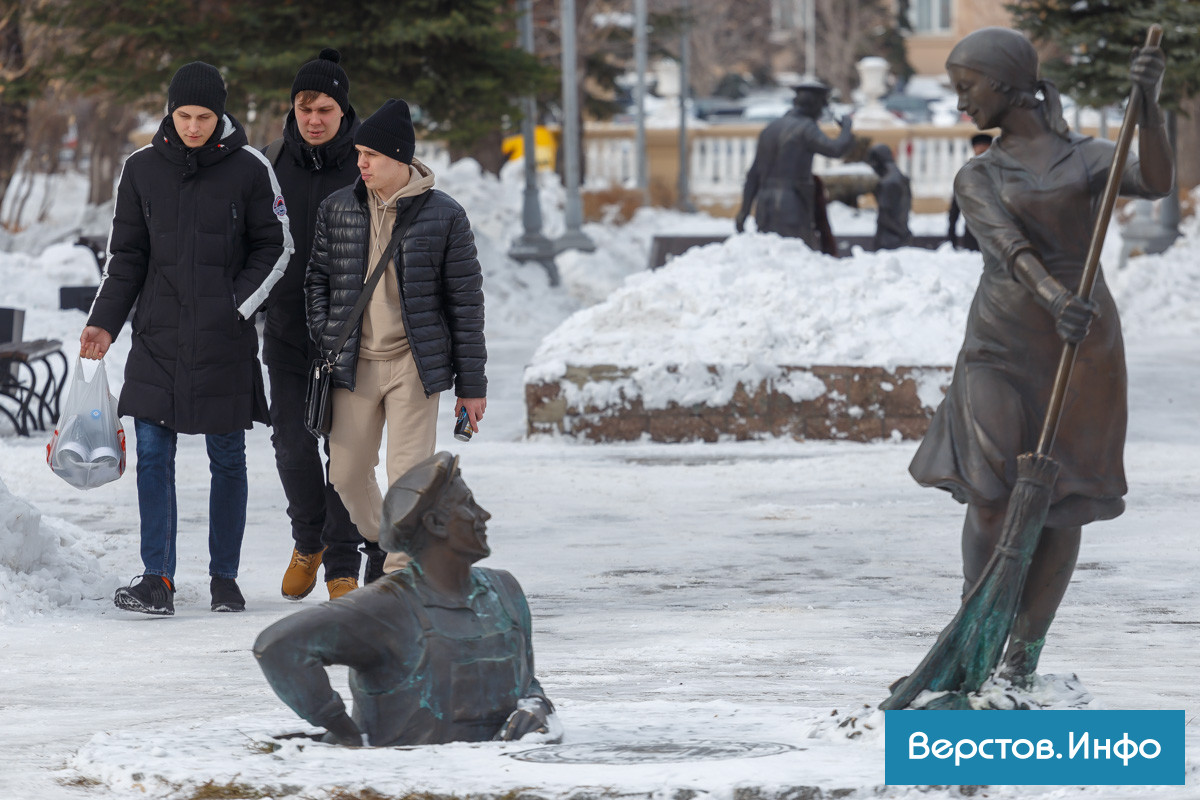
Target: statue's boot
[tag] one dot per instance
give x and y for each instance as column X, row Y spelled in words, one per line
column 1045, row 584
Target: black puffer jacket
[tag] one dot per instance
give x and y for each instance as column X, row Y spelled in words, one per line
column 199, row 237
column 307, row 176
column 440, row 285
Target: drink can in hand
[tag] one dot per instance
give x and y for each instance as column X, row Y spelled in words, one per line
column 462, row 428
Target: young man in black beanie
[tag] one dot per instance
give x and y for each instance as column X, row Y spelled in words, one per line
column 314, row 157
column 200, row 235
column 421, row 332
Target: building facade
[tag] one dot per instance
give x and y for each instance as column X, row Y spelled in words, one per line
column 938, row 24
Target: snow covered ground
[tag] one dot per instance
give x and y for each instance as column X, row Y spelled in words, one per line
column 730, row 596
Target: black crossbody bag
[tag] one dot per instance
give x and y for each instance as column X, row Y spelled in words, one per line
column 318, row 405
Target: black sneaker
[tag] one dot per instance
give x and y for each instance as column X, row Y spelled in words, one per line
column 152, row 594
column 375, row 558
column 226, row 596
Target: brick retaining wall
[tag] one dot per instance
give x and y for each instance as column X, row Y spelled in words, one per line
column 859, row 404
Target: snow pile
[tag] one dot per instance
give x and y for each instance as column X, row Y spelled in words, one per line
column 43, row 564
column 60, row 200
column 1159, row 295
column 759, row 301
column 1043, row 691
column 622, row 251
column 31, row 282
column 739, row 310
column 519, row 296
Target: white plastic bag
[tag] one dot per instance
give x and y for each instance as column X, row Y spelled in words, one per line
column 88, row 446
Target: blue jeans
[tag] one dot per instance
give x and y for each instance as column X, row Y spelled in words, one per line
column 156, row 499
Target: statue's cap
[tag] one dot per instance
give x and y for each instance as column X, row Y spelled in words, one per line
column 414, row 493
column 811, row 84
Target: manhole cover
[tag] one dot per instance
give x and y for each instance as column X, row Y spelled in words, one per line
column 660, row 753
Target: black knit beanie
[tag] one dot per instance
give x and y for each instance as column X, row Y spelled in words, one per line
column 389, row 131
column 324, row 75
column 197, row 84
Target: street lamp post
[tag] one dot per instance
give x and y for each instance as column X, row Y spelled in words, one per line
column 639, row 53
column 810, row 38
column 532, row 245
column 573, row 238
column 683, row 189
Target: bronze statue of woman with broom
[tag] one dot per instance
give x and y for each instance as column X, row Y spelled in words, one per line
column 1034, row 452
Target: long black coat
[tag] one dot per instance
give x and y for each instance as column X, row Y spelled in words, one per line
column 780, row 184
column 307, row 175
column 199, row 237
column 440, row 284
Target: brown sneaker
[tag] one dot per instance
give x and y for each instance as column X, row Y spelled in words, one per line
column 340, row 586
column 301, row 575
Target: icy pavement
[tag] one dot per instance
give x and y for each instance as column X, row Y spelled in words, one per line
column 732, row 594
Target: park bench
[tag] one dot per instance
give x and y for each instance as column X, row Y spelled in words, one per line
column 81, row 297
column 32, row 376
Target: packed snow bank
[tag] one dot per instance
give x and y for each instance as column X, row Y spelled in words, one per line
column 517, row 294
column 1159, row 295
column 756, row 302
column 759, row 301
column 43, row 563
column 31, row 282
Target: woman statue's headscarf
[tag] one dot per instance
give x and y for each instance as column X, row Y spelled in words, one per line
column 1007, row 57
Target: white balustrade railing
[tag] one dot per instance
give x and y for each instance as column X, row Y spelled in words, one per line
column 720, row 156
column 931, row 163
column 719, row 164
column 610, row 162
column 719, row 159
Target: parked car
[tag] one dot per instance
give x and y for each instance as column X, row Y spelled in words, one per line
column 911, row 109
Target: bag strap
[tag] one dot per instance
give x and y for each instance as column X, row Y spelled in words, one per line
column 273, row 150
column 373, row 281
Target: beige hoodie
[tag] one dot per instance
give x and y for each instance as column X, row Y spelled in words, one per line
column 383, row 334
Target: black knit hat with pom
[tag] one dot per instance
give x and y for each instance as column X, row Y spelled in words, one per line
column 324, row 75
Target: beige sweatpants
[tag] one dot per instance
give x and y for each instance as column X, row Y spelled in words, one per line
column 385, row 392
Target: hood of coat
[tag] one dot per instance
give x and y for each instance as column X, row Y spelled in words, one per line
column 330, row 155
column 420, row 180
column 229, row 136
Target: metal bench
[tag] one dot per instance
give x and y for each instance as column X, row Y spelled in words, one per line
column 32, row 377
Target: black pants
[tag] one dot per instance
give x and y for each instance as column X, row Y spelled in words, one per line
column 318, row 517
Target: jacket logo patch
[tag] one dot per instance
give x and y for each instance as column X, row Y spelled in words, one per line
column 279, row 207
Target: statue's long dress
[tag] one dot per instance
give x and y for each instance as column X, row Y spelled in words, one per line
column 997, row 399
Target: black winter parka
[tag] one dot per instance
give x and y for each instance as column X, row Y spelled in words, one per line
column 441, row 288
column 199, row 237
column 307, row 175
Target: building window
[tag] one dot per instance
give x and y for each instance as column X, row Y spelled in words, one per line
column 929, row 16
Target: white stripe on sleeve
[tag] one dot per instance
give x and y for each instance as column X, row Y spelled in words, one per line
column 260, row 294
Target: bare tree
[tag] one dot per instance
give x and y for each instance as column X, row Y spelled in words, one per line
column 104, row 125
column 847, row 30
column 14, row 108
column 47, row 127
column 728, row 38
